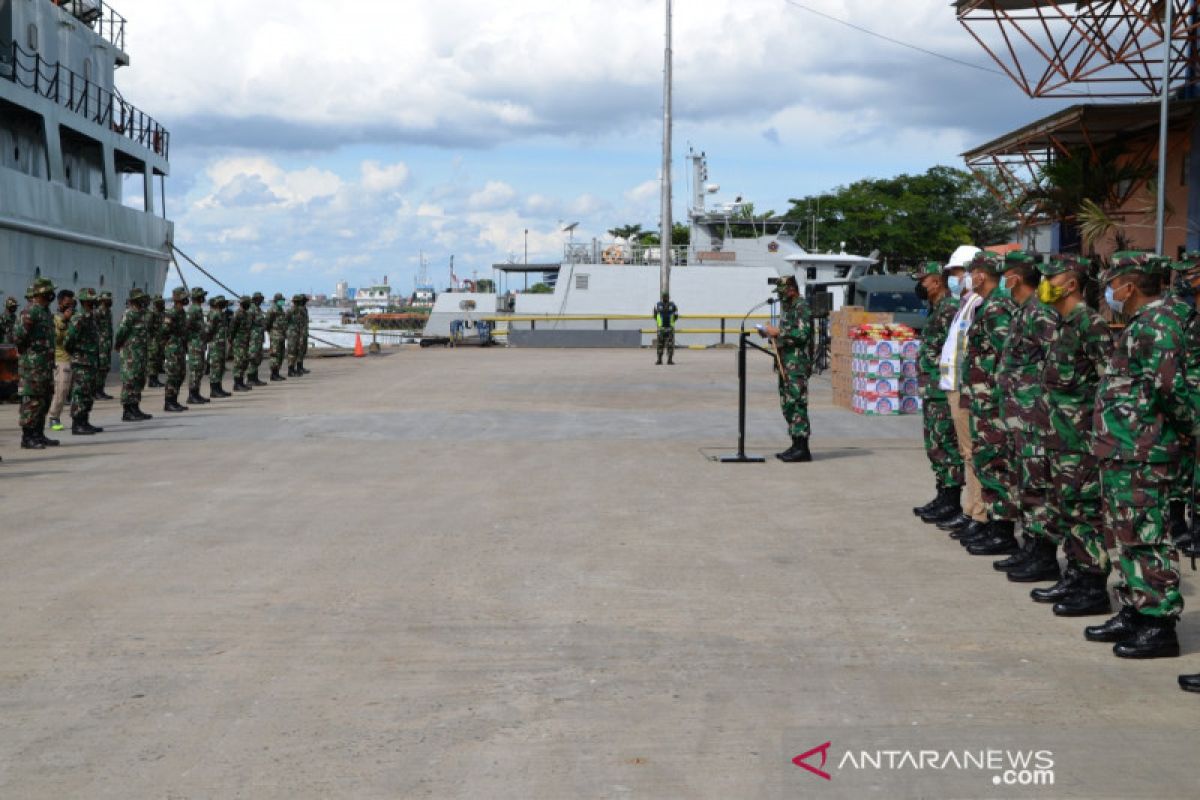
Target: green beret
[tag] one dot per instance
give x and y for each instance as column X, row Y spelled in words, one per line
column 1066, row 263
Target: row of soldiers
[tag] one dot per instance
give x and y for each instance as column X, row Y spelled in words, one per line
column 1081, row 434
column 182, row 342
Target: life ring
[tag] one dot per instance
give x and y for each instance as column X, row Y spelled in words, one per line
column 614, row 255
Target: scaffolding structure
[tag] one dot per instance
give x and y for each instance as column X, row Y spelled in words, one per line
column 1105, row 48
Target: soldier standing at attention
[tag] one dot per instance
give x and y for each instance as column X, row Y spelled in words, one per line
column 1076, row 358
column 300, row 370
column 218, row 344
column 293, row 337
column 666, row 314
column 62, row 359
column 277, row 324
column 792, row 339
column 34, row 338
column 239, row 335
column 83, row 344
column 197, row 332
column 174, row 334
column 8, row 322
column 1182, row 300
column 1142, row 405
column 258, row 337
column 133, row 342
column 941, row 443
column 981, row 396
column 104, row 324
column 154, row 353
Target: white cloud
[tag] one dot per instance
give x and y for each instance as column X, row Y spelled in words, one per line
column 495, row 195
column 644, row 192
column 381, row 178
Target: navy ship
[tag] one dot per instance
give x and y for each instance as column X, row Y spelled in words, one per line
column 82, row 171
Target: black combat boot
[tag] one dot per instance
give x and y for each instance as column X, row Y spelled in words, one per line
column 955, row 523
column 30, row 440
column 799, row 453
column 791, row 449
column 194, row 396
column 291, row 371
column 41, row 434
column 968, row 531
column 87, row 422
column 142, row 415
column 103, row 395
column 79, row 427
column 976, row 533
column 215, row 390
column 1016, row 559
column 1001, row 542
column 937, row 499
column 950, row 507
column 671, row 360
column 154, row 383
column 1061, row 590
column 1116, row 629
column 254, row 381
column 129, row 415
column 1089, row 597
column 1042, row 564
column 1190, row 683
column 1155, row 638
column 240, row 386
column 171, row 404
column 275, row 376
column 659, row 362
column 301, row 369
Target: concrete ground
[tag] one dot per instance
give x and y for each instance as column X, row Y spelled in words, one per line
column 516, row 574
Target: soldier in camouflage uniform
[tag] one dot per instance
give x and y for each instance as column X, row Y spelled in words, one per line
column 258, row 337
column 666, row 314
column 303, row 312
column 1143, row 403
column 34, row 338
column 277, row 324
column 792, row 339
column 1182, row 300
column 239, row 335
column 133, row 342
column 981, row 397
column 8, row 322
column 174, row 334
column 941, row 443
column 218, row 343
column 294, row 325
column 197, row 360
column 154, row 353
column 1019, row 377
column 104, row 324
column 1076, row 358
column 83, row 345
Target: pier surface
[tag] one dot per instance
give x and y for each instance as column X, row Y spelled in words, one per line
column 516, row 574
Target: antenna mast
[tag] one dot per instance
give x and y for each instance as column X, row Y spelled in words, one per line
column 665, row 235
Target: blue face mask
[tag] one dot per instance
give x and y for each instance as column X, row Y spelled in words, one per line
column 956, row 284
column 1112, row 300
column 1002, row 289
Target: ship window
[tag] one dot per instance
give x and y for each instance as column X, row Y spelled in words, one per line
column 33, row 37
column 581, row 282
column 812, row 273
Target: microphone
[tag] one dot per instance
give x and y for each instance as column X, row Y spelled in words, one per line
column 751, row 311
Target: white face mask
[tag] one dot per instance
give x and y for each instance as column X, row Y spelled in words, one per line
column 968, row 283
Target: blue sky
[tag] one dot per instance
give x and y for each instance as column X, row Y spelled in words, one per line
column 315, row 141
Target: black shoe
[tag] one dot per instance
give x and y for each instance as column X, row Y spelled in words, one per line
column 799, row 453
column 937, row 500
column 1018, row 558
column 1001, row 542
column 659, row 362
column 1189, row 683
column 171, row 404
column 291, row 372
column 955, row 523
column 1042, row 564
column 46, row 440
column 1060, row 591
column 983, row 532
column 1117, row 629
column 87, row 420
column 790, row 450
column 79, row 427
column 195, row 397
column 129, row 415
column 103, row 395
column 670, row 362
column 275, row 376
column 1088, row 598
column 254, row 381
column 1155, row 638
column 300, row 370
column 29, row 441
column 240, row 386
column 948, row 509
column 971, row 530
column 215, row 390
column 142, row 415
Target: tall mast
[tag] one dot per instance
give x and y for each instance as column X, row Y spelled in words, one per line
column 665, row 217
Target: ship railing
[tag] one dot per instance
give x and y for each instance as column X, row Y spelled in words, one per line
column 618, row 253
column 99, row 16
column 76, row 93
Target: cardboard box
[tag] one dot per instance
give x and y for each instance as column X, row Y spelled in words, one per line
column 911, row 405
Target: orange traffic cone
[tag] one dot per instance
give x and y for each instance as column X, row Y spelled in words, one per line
column 358, row 348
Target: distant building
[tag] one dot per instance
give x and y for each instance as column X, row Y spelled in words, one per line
column 423, row 297
column 341, row 291
column 373, row 298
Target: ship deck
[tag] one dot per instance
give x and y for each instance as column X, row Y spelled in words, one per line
column 505, row 573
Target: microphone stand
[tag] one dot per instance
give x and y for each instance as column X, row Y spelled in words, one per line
column 743, row 343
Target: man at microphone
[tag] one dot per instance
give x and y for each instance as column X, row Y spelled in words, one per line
column 792, row 339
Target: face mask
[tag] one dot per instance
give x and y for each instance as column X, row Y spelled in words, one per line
column 1050, row 294
column 956, row 284
column 1002, row 289
column 1110, row 298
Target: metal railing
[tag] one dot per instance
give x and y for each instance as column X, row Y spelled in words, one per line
column 621, row 253
column 99, row 16
column 76, row 93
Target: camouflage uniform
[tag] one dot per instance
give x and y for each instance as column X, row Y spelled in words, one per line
column 218, row 341
column 795, row 355
column 981, row 396
column 133, row 340
column 239, row 335
column 154, row 350
column 258, row 337
column 104, row 325
column 294, row 336
column 8, row 322
column 34, row 338
column 303, row 311
column 277, row 324
column 83, row 343
column 197, row 333
column 1019, row 378
column 666, row 314
column 1181, row 489
column 1142, row 405
column 174, row 334
column 941, row 443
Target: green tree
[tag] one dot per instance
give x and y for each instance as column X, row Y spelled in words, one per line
column 627, row 232
column 485, row 285
column 540, row 288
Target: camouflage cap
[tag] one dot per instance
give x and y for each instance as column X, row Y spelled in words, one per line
column 1017, row 258
column 258, row 297
column 1066, row 262
column 217, row 300
column 137, row 295
column 198, row 294
column 1187, row 262
column 1126, row 261
column 928, row 268
column 11, row 302
column 278, row 296
column 296, row 298
column 987, row 261
column 179, row 293
column 40, row 286
column 244, row 299
column 87, row 295
column 106, row 295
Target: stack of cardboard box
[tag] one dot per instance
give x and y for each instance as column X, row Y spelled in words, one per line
column 841, row 323
column 884, row 374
